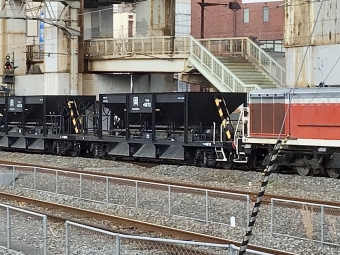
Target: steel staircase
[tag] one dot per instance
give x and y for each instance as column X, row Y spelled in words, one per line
column 235, row 64
column 248, row 72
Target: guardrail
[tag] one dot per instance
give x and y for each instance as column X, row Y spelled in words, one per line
column 248, row 48
column 147, row 46
column 201, row 204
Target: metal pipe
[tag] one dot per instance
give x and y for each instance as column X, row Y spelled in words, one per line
column 202, row 19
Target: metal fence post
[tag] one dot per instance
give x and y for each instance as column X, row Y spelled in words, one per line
column 322, row 224
column 117, row 244
column 56, row 182
column 169, row 199
column 206, row 207
column 271, row 215
column 231, row 250
column 67, row 239
column 248, row 210
column 8, row 229
column 136, row 195
column 45, row 234
column 80, row 186
column 13, row 171
column 107, row 189
column 34, row 179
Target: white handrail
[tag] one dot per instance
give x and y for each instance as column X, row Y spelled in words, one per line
column 273, row 69
column 123, row 47
column 215, row 71
column 248, row 48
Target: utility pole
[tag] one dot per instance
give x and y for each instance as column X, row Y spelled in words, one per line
column 202, row 18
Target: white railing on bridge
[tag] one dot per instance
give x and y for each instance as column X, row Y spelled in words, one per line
column 146, row 46
column 215, row 71
column 248, row 48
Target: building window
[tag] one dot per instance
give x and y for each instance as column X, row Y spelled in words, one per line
column 265, row 14
column 273, row 46
column 246, row 15
column 130, row 28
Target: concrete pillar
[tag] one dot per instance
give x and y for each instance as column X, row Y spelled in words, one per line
column 74, row 53
column 14, row 43
column 56, row 58
column 155, row 18
column 61, row 55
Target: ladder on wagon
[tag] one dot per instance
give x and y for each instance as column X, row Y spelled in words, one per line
column 226, row 126
column 76, row 118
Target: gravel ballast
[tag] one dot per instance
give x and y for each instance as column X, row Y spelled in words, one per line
column 292, row 185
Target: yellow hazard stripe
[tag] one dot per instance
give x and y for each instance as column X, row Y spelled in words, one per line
column 224, row 120
column 74, row 120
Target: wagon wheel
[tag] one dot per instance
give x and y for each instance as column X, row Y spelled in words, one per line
column 332, row 173
column 76, row 150
column 302, row 169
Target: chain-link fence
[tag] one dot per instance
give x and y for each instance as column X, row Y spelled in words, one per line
column 82, row 239
column 14, row 236
column 201, row 204
column 306, row 221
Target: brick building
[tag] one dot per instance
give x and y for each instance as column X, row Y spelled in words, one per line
column 256, row 18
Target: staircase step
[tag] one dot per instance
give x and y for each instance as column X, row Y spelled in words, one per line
column 247, row 72
column 238, row 64
column 238, row 59
column 251, row 76
column 242, row 67
column 250, row 68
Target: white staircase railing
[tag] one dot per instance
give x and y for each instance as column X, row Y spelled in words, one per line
column 248, row 48
column 215, row 71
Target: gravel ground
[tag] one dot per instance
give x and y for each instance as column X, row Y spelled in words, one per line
column 279, row 184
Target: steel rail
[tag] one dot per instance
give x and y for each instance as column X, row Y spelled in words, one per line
column 143, row 226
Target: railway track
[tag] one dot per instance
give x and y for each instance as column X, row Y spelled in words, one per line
column 152, row 183
column 129, row 223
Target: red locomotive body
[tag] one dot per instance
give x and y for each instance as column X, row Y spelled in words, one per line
column 301, row 113
column 307, row 116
